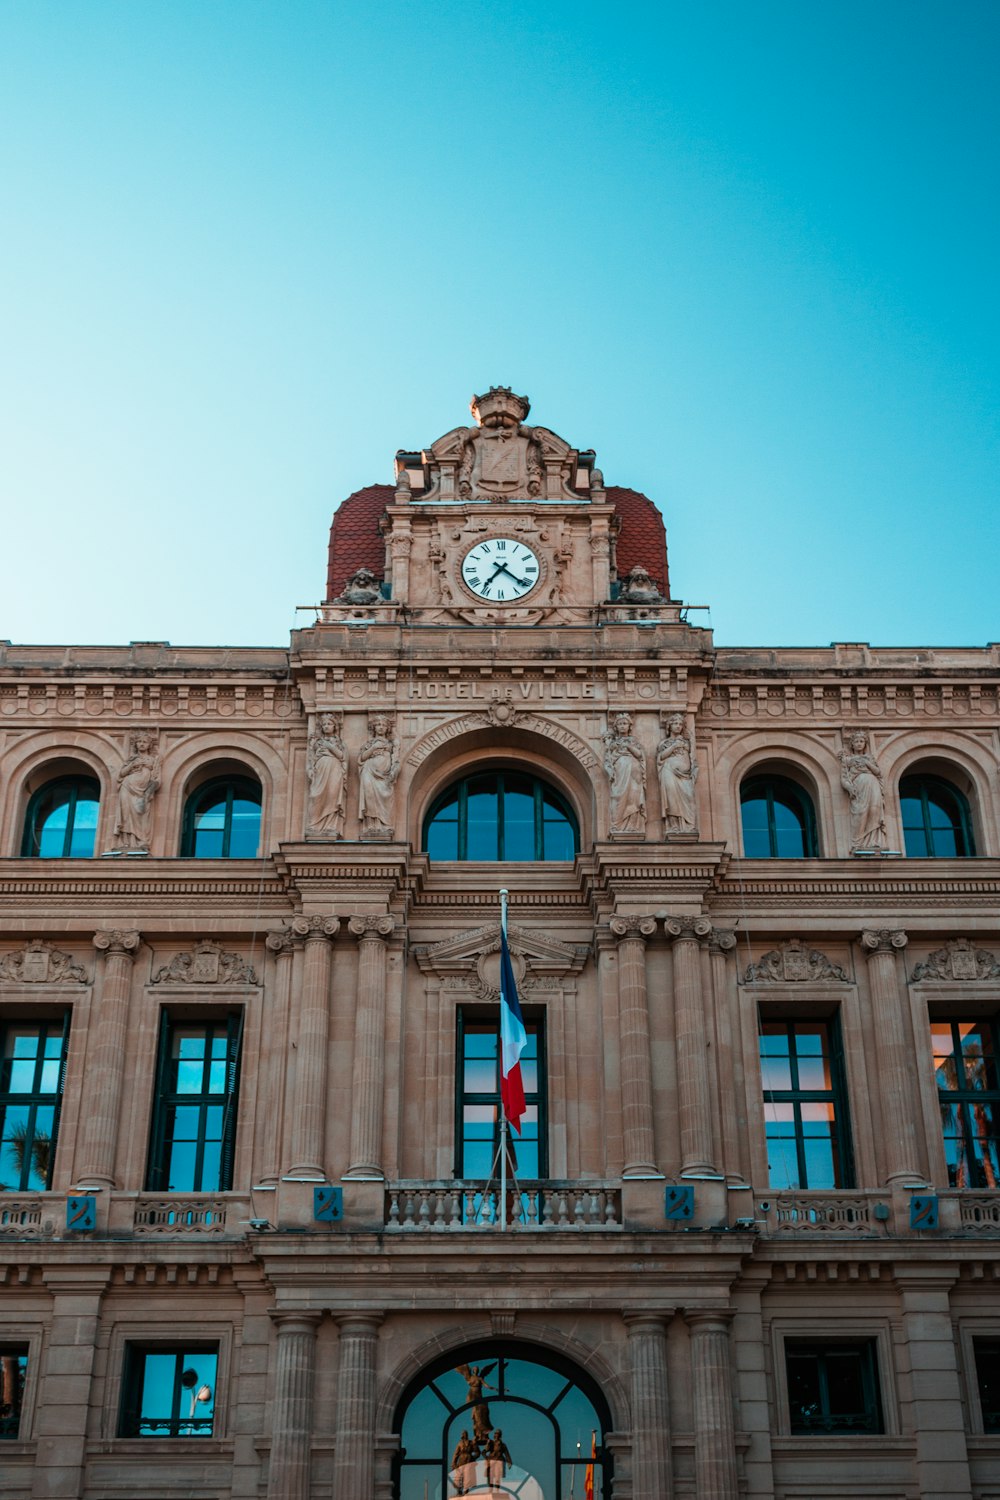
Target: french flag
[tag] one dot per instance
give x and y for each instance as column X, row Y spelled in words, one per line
column 513, row 1040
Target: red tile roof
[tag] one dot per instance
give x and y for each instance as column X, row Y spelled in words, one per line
column 356, row 542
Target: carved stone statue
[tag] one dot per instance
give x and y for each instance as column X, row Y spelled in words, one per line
column 625, row 764
column 861, row 778
column 677, row 770
column 378, row 768
column 138, row 783
column 326, row 768
column 362, row 588
column 463, row 1465
column 500, row 456
column 638, row 588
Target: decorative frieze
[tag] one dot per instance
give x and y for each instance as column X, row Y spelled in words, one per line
column 794, row 963
column 208, row 963
column 40, row 963
column 959, row 959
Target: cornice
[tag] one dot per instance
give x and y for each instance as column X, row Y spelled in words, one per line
column 876, row 887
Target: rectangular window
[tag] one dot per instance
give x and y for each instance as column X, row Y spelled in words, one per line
column 13, row 1373
column 833, row 1387
column 32, row 1069
column 478, row 1101
column 988, row 1381
column 965, row 1067
column 169, row 1390
column 194, row 1118
column 805, row 1104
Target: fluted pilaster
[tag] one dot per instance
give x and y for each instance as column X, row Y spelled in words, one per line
column 274, row 1056
column 899, row 1136
column 289, row 1472
column 652, row 1470
column 714, row 1436
column 307, row 1146
column 636, row 1073
column 732, row 1085
column 354, row 1454
column 106, row 1063
column 694, row 1095
column 372, row 933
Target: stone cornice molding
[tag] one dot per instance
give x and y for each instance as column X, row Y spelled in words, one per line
column 687, row 929
column 117, row 940
column 639, row 928
column 371, row 929
column 876, row 940
column 313, row 929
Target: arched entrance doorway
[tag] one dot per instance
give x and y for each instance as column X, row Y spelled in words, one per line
column 500, row 1419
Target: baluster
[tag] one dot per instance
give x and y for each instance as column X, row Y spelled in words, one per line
column 394, row 1209
column 547, row 1208
column 439, row 1210
column 563, row 1211
column 578, row 1217
column 425, row 1210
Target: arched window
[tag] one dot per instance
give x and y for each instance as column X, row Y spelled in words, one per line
column 501, row 815
column 222, row 820
column 550, row 1418
column 778, row 819
column 936, row 821
column 61, row 821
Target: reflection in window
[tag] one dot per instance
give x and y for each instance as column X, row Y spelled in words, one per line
column 194, row 1121
column 501, row 815
column 13, row 1373
column 479, row 1103
column 222, row 820
column 987, row 1353
column 965, row 1066
column 169, row 1390
column 778, row 819
column 32, row 1061
column 61, row 822
column 832, row 1387
column 805, row 1104
column 550, row 1419
column 936, row 822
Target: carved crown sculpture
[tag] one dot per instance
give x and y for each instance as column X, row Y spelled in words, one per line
column 499, row 400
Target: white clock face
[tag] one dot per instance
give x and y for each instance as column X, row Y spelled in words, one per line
column 500, row 570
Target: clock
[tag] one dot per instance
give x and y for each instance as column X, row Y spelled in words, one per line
column 500, row 570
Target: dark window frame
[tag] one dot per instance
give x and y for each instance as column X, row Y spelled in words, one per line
column 763, row 787
column 543, row 793
column 485, row 1020
column 130, row 1418
column 837, row 1095
column 12, row 1388
column 167, row 1100
column 988, row 1382
column 869, row 1420
column 82, row 787
column 926, row 788
column 34, row 1098
column 966, row 1099
column 236, row 787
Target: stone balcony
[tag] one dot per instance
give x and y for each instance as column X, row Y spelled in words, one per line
column 537, row 1206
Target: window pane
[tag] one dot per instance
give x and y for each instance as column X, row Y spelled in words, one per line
column 987, row 1353
column 519, row 824
column 558, row 839
column 756, row 834
column 13, row 1373
column 442, row 838
column 245, row 831
column 500, row 815
column 482, row 829
column 84, row 829
column 209, row 831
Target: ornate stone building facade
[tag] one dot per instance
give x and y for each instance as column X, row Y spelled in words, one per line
column 249, row 958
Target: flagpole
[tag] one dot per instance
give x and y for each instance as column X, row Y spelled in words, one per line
column 503, row 1112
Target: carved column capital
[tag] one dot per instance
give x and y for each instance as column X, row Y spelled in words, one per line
column 640, row 1322
column 688, row 929
column 117, row 940
column 359, row 1325
column 280, row 941
column 316, row 927
column 721, row 940
column 372, row 928
column 632, row 927
column 882, row 940
column 289, row 1321
column 712, row 1319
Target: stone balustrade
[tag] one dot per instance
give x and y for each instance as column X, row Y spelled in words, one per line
column 171, row 1214
column 835, row 1212
column 537, row 1206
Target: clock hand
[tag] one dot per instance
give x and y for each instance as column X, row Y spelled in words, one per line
column 503, row 568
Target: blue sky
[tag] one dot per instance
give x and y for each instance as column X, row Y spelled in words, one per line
column 747, row 251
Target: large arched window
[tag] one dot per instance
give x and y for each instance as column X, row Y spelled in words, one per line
column 61, row 821
column 936, row 821
column 222, row 820
column 501, row 815
column 778, row 819
column 549, row 1416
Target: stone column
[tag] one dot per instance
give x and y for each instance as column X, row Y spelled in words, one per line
column 369, row 1046
column 57, row 1472
column 354, row 1422
column 636, row 1072
column 307, row 1147
column 274, row 1058
column 694, row 1097
column 289, row 1472
column 934, row 1414
column 893, row 1059
column 714, row 1435
column 652, row 1469
column 732, row 1085
column 105, row 1066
